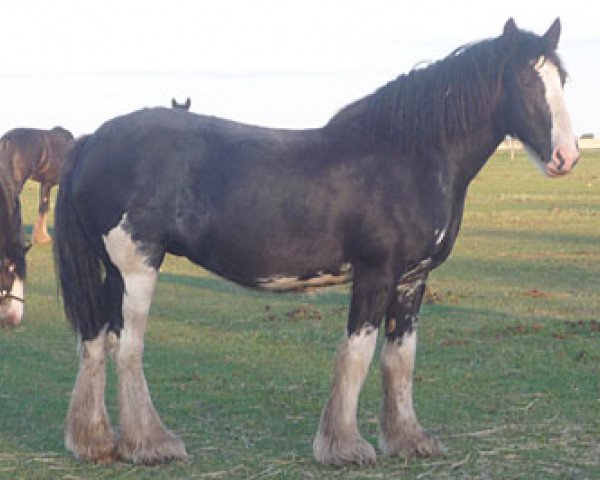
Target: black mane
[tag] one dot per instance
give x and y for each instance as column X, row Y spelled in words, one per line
column 437, row 105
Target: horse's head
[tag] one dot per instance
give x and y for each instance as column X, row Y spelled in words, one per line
column 12, row 280
column 534, row 104
column 12, row 254
column 64, row 132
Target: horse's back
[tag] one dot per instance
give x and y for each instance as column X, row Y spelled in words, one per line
column 166, row 126
column 28, row 141
column 35, row 153
column 170, row 150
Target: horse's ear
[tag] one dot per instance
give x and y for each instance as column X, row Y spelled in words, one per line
column 510, row 33
column 173, row 103
column 188, row 103
column 552, row 36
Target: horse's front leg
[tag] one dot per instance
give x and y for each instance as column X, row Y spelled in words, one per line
column 40, row 228
column 143, row 437
column 338, row 441
column 400, row 432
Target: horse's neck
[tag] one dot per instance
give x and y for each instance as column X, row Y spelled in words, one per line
column 7, row 175
column 468, row 155
column 9, row 200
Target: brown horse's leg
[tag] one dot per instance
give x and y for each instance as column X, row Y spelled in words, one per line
column 144, row 438
column 88, row 432
column 40, row 229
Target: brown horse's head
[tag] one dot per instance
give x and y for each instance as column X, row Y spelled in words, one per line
column 64, row 132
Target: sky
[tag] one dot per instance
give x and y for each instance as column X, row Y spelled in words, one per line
column 283, row 63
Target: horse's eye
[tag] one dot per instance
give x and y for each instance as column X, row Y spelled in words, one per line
column 527, row 76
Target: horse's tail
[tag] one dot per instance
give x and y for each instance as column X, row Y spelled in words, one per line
column 77, row 259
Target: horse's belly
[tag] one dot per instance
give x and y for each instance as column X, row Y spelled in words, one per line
column 306, row 283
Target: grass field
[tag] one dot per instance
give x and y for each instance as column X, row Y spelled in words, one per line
column 507, row 371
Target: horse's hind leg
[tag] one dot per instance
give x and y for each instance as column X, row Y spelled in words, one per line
column 144, row 438
column 40, row 228
column 400, row 432
column 88, row 432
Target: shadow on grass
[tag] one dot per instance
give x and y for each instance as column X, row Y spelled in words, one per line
column 515, row 270
column 548, row 239
column 28, row 230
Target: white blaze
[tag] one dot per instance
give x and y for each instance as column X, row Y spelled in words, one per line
column 562, row 130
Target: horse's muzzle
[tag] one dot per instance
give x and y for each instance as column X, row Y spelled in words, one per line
column 563, row 161
column 11, row 307
column 11, row 317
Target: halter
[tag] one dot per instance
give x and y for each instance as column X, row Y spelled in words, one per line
column 7, row 295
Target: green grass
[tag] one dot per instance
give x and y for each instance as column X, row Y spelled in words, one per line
column 507, row 371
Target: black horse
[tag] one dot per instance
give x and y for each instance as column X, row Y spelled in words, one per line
column 374, row 197
column 182, row 106
column 12, row 252
column 39, row 155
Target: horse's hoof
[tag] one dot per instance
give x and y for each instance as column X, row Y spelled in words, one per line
column 153, row 451
column 96, row 446
column 337, row 453
column 418, row 443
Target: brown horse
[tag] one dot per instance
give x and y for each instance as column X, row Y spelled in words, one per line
column 39, row 155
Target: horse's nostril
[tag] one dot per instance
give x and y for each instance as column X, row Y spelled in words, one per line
column 561, row 160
